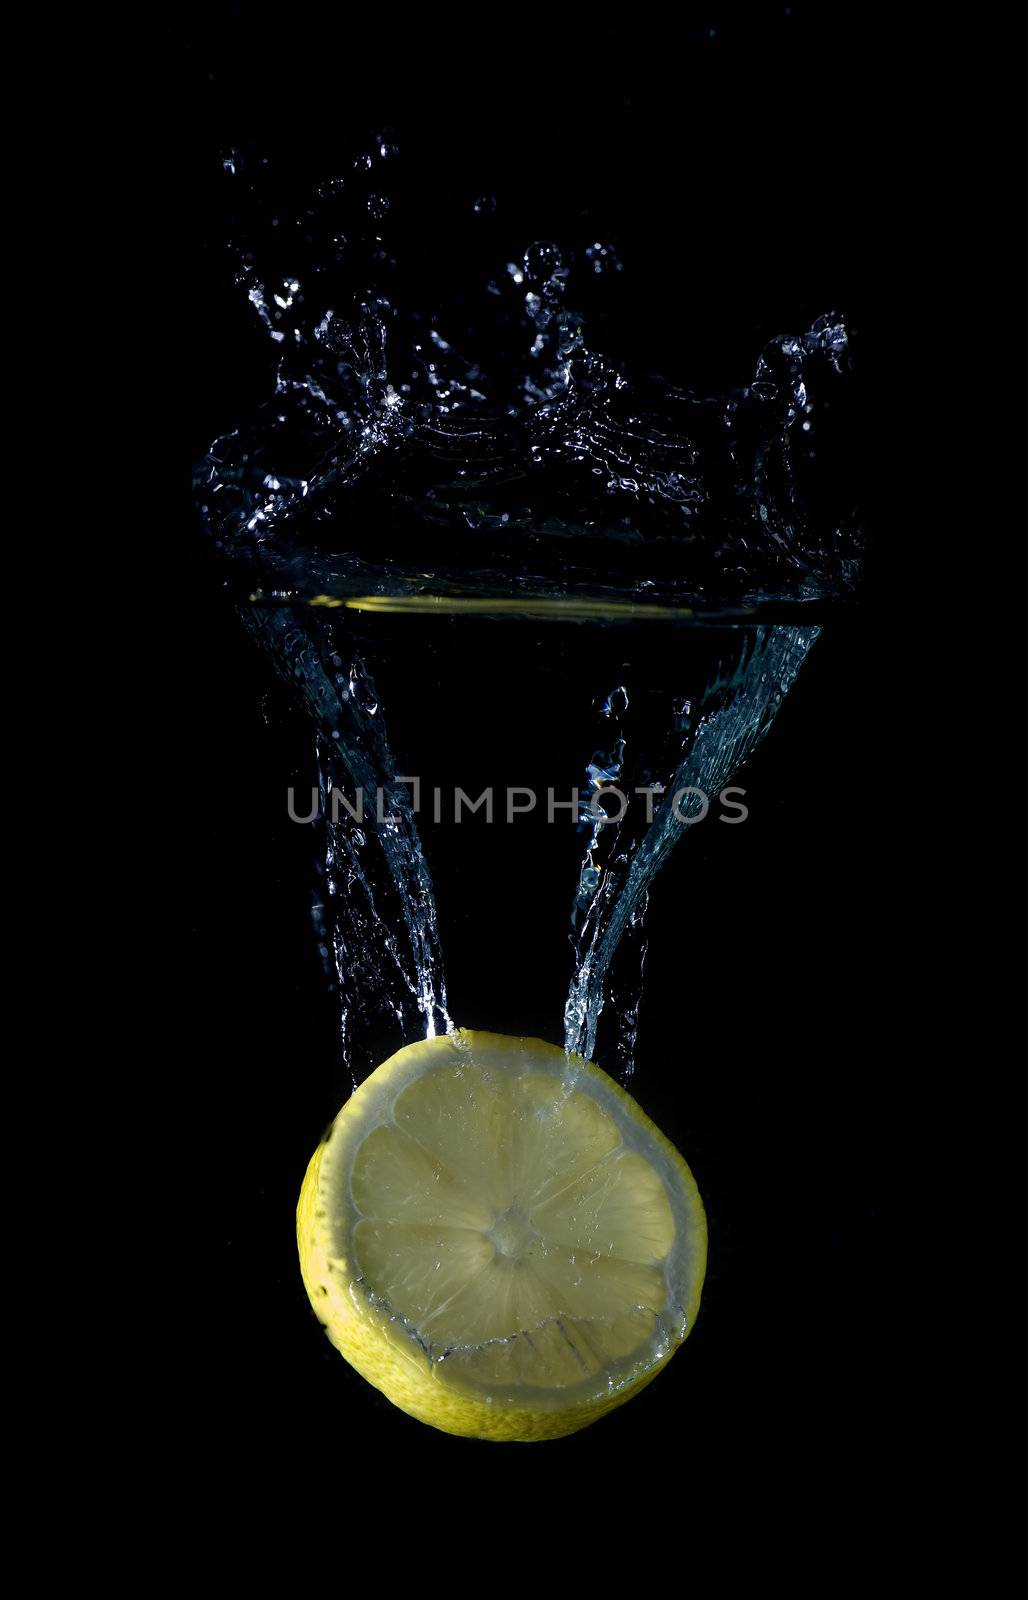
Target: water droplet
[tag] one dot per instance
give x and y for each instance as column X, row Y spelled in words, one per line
column 543, row 261
column 569, row 332
column 602, row 258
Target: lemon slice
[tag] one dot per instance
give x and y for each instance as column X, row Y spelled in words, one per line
column 496, row 1236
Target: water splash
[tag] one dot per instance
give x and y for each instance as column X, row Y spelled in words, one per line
column 481, row 441
column 478, row 448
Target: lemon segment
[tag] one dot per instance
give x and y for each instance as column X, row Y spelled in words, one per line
column 496, row 1235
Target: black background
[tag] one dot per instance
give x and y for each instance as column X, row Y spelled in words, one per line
column 737, row 160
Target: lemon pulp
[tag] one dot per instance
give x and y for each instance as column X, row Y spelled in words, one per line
column 495, row 1234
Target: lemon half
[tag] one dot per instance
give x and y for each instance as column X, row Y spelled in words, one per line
column 496, row 1236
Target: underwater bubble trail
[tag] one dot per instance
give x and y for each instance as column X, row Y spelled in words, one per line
column 403, row 977
column 727, row 735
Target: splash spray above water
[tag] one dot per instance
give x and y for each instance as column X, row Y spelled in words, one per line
column 480, row 441
column 477, row 449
